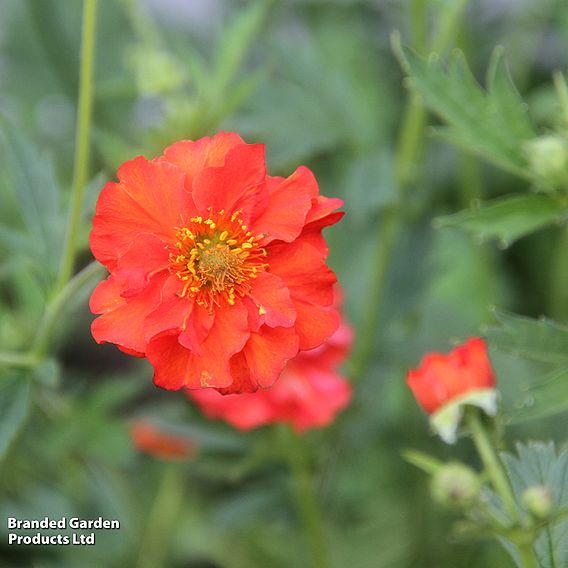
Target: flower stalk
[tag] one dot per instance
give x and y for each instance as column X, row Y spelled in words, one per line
column 500, row 482
column 81, row 160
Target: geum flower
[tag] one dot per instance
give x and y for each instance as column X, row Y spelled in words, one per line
column 444, row 384
column 153, row 440
column 217, row 270
column 308, row 394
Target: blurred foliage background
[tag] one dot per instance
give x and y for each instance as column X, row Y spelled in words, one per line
column 319, row 84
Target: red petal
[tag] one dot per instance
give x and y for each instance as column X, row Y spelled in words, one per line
column 124, row 325
column 314, row 324
column 268, row 352
column 320, row 216
column 149, row 198
column 192, row 157
column 131, row 352
column 172, row 312
column 238, row 185
column 106, row 296
column 147, row 255
column 176, row 366
column 197, row 329
column 303, row 270
column 322, row 206
column 273, row 298
column 288, row 204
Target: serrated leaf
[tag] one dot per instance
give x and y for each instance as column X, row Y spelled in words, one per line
column 506, row 99
column 492, row 123
column 540, row 340
column 15, row 401
column 507, row 219
column 538, row 464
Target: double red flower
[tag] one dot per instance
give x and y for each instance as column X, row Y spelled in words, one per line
column 217, row 270
column 308, row 394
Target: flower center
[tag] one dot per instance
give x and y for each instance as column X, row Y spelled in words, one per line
column 216, row 258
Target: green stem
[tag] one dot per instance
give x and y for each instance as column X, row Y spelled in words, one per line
column 56, row 305
column 50, row 319
column 306, row 502
column 81, row 161
column 21, row 360
column 161, row 519
column 492, row 463
column 449, row 26
column 418, row 17
column 558, row 305
column 500, row 482
column 528, row 558
column 407, row 166
column 388, row 229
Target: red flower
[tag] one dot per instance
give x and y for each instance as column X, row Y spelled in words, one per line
column 151, row 440
column 217, row 270
column 443, row 378
column 308, row 394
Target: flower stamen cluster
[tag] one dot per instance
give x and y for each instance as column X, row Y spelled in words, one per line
column 216, row 258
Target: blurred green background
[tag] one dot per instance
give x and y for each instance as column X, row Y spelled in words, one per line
column 317, row 82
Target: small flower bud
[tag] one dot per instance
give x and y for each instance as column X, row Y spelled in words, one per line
column 548, row 158
column 455, row 485
column 538, row 500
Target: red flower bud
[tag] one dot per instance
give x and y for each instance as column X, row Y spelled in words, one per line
column 443, row 384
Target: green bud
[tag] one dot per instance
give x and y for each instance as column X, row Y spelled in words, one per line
column 455, row 485
column 548, row 159
column 538, row 500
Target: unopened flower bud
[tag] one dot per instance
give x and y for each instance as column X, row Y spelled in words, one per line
column 455, row 485
column 538, row 500
column 548, row 158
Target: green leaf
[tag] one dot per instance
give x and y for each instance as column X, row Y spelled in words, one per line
column 545, row 398
column 538, row 464
column 540, row 340
column 507, row 219
column 491, row 123
column 507, row 101
column 322, row 94
column 236, row 43
column 32, row 180
column 15, row 401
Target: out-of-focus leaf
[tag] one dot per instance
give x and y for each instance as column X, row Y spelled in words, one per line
column 507, row 219
column 15, row 401
column 545, row 398
column 492, row 123
column 538, row 464
column 48, row 373
column 540, row 340
column 506, row 100
column 322, row 94
column 32, row 179
column 236, row 42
